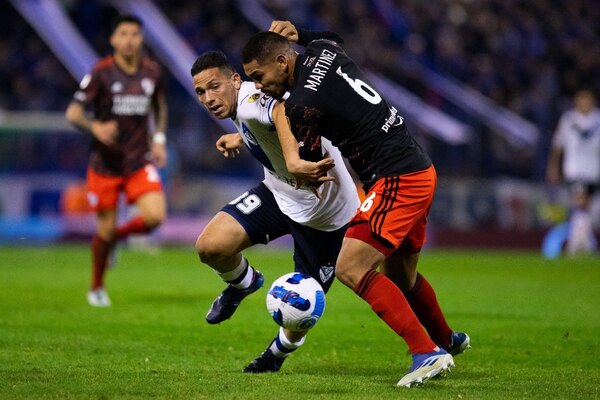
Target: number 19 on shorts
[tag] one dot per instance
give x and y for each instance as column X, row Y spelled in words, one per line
column 247, row 202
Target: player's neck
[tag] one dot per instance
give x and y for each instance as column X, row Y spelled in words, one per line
column 129, row 65
column 292, row 74
column 235, row 105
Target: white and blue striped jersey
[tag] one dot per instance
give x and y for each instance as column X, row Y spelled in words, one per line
column 339, row 199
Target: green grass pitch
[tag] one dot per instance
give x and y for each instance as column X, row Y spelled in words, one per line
column 534, row 326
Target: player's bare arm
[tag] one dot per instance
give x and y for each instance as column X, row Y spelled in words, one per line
column 229, row 144
column 304, row 171
column 106, row 132
column 286, row 29
column 553, row 174
column 159, row 139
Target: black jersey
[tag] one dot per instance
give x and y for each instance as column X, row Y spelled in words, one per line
column 332, row 98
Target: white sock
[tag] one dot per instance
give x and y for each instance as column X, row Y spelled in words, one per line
column 282, row 346
column 580, row 232
column 241, row 276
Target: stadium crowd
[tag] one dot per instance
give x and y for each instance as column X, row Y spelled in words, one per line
column 528, row 56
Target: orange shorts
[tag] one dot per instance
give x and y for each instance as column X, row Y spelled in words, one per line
column 103, row 191
column 393, row 215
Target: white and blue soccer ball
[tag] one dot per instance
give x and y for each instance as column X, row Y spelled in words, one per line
column 296, row 301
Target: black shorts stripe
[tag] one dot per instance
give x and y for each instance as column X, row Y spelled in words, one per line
column 365, row 282
column 378, row 218
column 380, row 206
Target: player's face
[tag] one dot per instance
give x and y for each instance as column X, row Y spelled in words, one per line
column 585, row 102
column 217, row 91
column 127, row 39
column 270, row 77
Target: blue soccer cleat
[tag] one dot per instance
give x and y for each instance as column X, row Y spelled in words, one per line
column 426, row 366
column 459, row 343
column 266, row 362
column 225, row 305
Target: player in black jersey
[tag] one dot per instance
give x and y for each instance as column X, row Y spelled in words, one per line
column 330, row 97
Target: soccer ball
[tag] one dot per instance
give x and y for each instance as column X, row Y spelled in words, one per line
column 296, row 301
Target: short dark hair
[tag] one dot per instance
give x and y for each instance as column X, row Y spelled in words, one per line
column 211, row 59
column 123, row 18
column 263, row 45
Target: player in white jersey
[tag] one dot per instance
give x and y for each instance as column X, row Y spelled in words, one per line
column 577, row 143
column 315, row 216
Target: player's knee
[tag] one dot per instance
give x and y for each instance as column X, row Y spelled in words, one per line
column 345, row 275
column 154, row 219
column 107, row 235
column 210, row 250
column 106, row 232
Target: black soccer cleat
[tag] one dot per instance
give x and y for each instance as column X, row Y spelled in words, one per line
column 266, row 362
column 225, row 305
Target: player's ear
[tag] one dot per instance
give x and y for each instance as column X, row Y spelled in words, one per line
column 282, row 62
column 237, row 80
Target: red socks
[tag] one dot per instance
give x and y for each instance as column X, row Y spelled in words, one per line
column 100, row 250
column 389, row 304
column 135, row 225
column 424, row 303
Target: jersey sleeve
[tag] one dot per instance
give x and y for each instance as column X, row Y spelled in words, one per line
column 89, row 88
column 304, row 122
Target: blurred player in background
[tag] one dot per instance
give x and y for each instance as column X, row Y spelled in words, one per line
column 330, row 97
column 122, row 91
column 575, row 159
column 316, row 217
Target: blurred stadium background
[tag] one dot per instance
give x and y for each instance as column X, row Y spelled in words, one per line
column 481, row 84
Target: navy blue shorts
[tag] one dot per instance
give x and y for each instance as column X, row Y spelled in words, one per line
column 315, row 251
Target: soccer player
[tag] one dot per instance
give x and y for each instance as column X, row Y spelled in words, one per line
column 331, row 98
column 316, row 216
column 576, row 144
column 122, row 90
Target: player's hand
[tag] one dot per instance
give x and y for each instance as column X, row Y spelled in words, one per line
column 311, row 173
column 285, row 29
column 105, row 132
column 159, row 154
column 229, row 144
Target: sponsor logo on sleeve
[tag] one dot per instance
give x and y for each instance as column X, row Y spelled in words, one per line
column 393, row 120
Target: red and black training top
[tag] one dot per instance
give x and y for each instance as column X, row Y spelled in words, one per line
column 112, row 94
